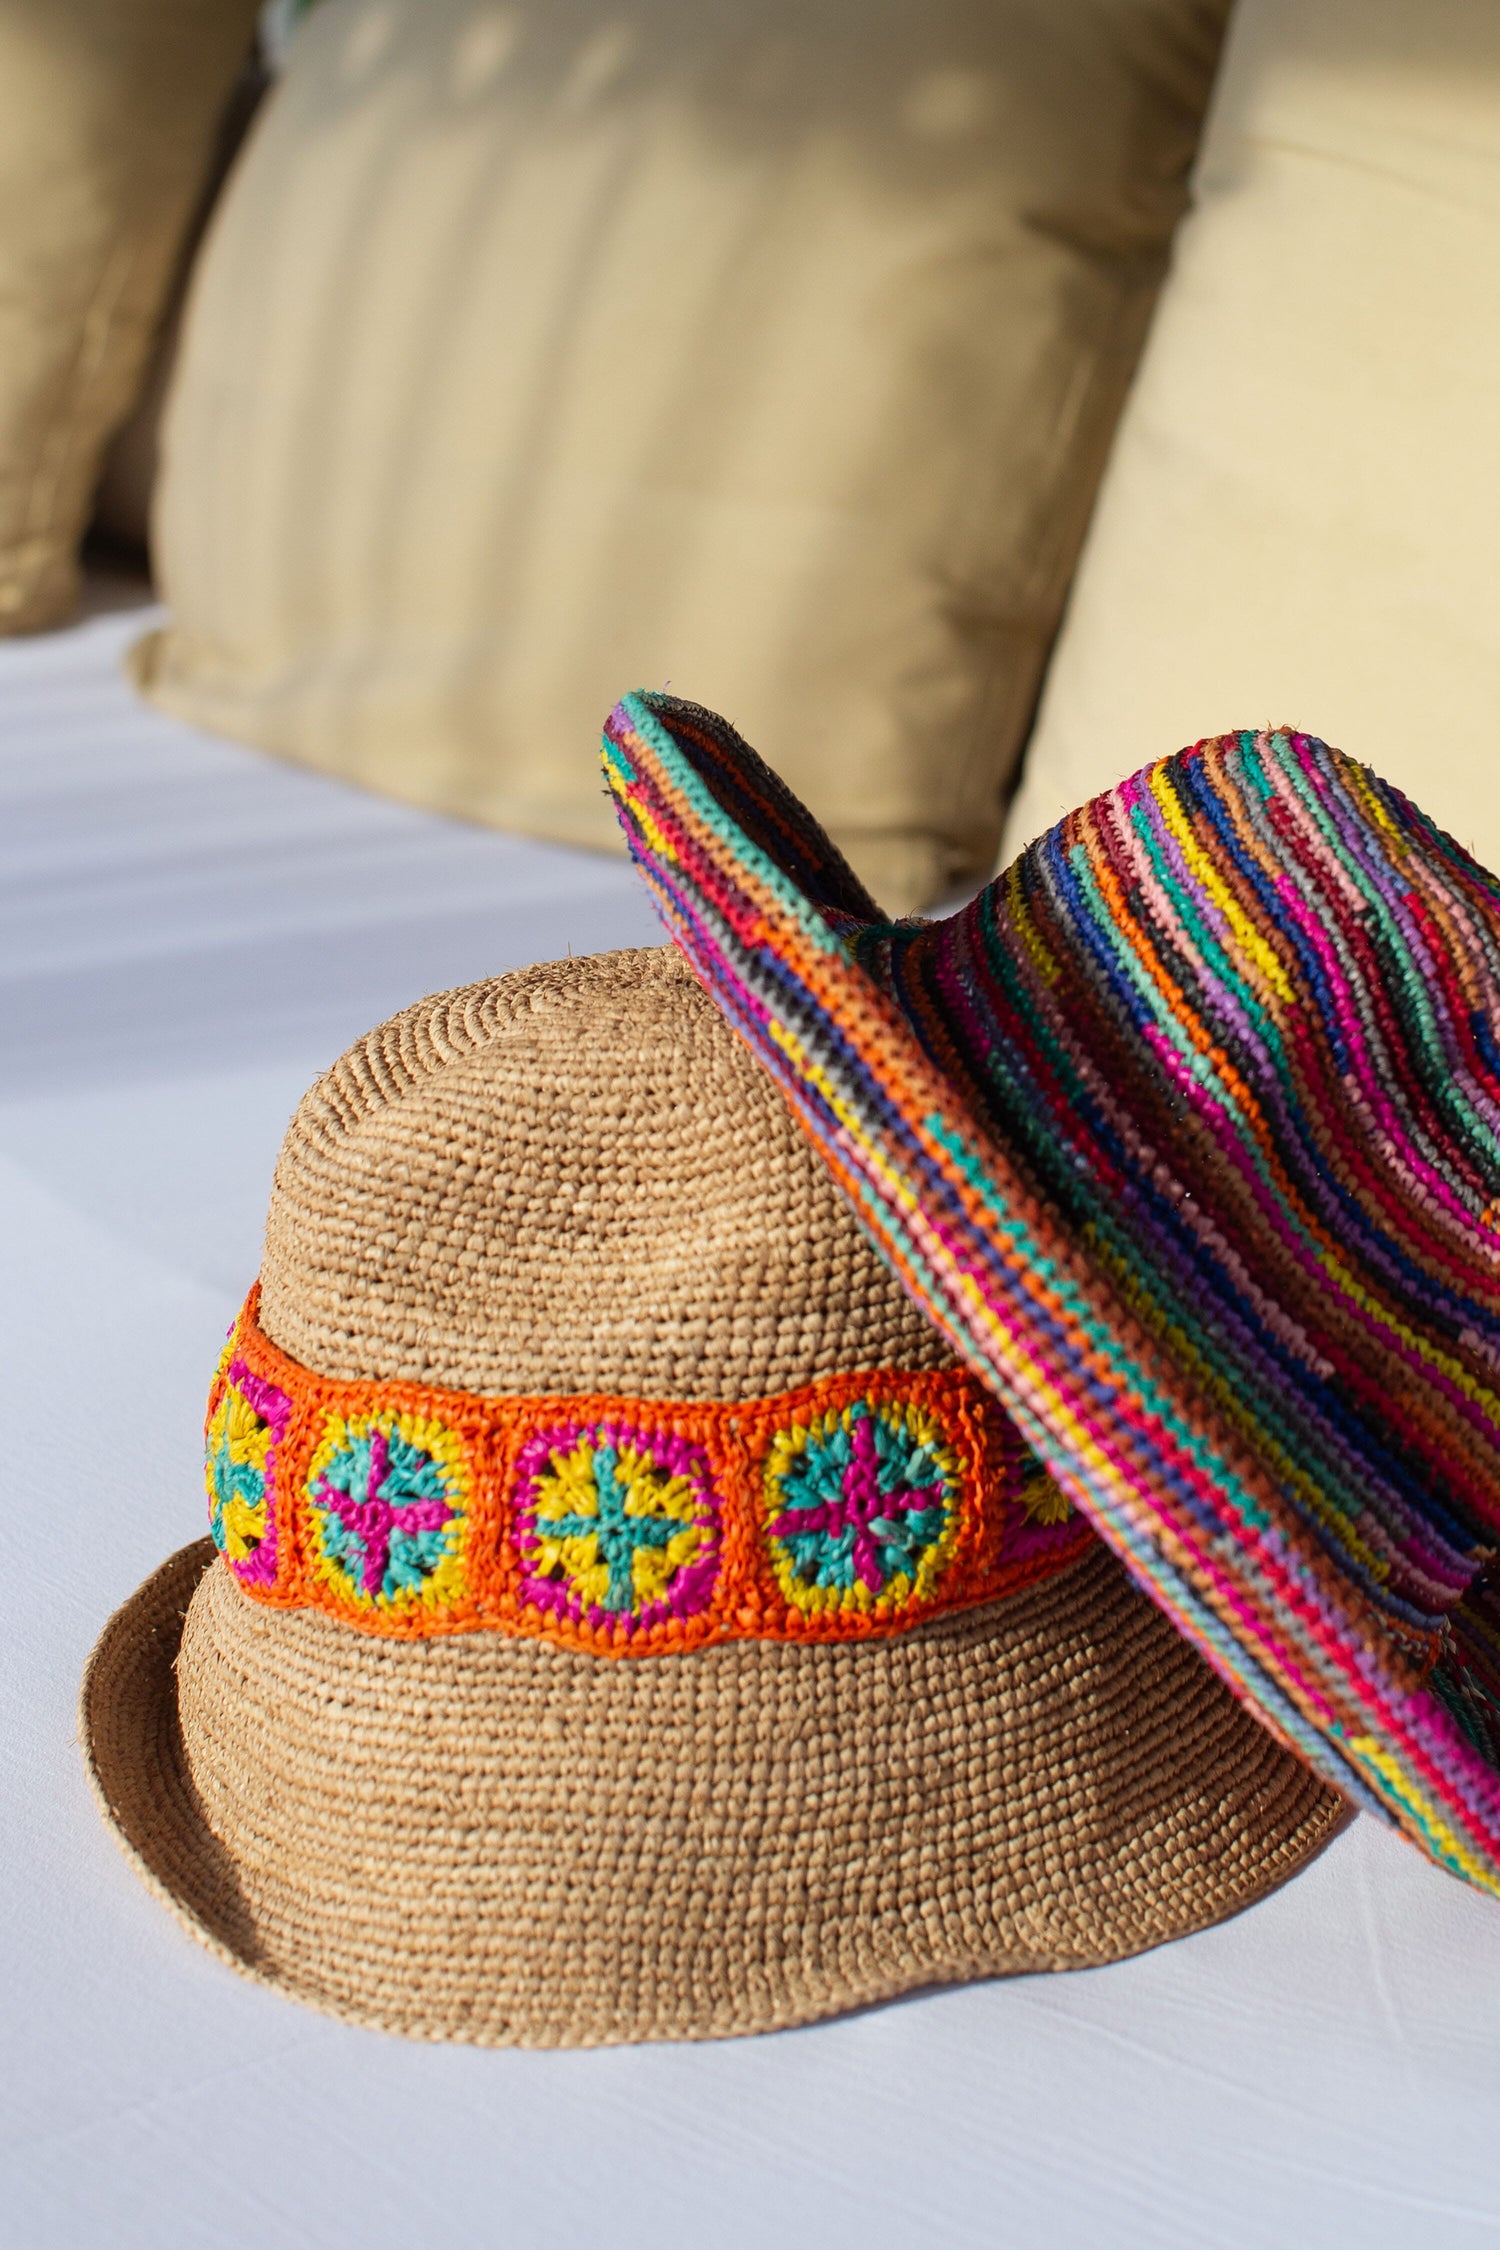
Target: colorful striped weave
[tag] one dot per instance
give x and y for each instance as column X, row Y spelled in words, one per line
column 1187, row 1133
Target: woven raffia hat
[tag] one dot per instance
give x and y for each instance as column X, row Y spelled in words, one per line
column 629, row 1620
column 1186, row 1134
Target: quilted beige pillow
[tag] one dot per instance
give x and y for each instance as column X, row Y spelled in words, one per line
column 1299, row 523
column 543, row 351
column 108, row 111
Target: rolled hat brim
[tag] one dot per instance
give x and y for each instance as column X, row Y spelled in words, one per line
column 1186, row 1134
column 498, row 1841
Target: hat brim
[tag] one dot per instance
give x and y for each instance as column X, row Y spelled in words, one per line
column 1128, row 1418
column 131, row 1735
column 504, row 1843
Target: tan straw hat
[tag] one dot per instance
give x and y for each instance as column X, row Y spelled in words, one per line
column 630, row 1620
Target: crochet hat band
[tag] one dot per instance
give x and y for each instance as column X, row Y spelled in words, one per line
column 1186, row 1134
column 851, row 1508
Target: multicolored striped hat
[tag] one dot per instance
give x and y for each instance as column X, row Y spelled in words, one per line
column 1186, row 1134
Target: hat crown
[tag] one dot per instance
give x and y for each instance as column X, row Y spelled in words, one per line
column 570, row 1179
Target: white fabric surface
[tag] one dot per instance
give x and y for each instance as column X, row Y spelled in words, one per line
column 190, row 932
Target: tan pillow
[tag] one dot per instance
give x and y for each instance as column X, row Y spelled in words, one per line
column 127, row 475
column 108, row 110
column 1299, row 522
column 771, row 351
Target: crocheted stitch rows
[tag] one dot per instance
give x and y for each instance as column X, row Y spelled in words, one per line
column 1187, row 1135
column 858, row 1505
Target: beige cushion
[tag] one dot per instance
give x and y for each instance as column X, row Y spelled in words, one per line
column 108, row 110
column 1299, row 522
column 127, row 475
column 770, row 351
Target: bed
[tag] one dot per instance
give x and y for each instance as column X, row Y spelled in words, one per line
column 191, row 932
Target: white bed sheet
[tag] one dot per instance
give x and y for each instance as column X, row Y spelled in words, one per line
column 190, row 932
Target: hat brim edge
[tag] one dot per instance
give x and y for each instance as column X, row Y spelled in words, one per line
column 135, row 1738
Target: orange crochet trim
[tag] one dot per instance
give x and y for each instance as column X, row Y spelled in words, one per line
column 853, row 1507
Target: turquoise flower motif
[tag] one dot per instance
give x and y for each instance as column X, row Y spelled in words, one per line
column 386, row 1510
column 863, row 1501
column 243, row 1434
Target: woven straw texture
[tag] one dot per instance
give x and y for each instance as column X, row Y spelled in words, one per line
column 575, row 1177
column 566, row 1852
column 570, row 1180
